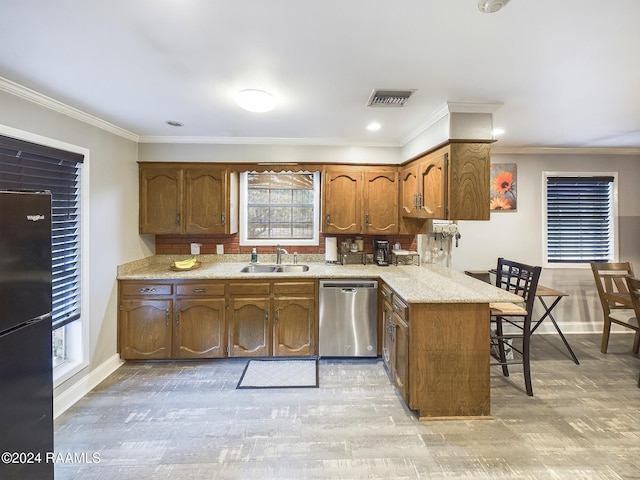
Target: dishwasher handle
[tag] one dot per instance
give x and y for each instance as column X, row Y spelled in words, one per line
column 349, row 290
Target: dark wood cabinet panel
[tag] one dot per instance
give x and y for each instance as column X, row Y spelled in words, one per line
column 145, row 329
column 200, row 328
column 187, row 198
column 249, row 332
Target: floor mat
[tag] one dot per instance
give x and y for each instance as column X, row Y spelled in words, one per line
column 299, row 373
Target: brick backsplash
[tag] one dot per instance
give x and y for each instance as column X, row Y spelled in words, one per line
column 180, row 244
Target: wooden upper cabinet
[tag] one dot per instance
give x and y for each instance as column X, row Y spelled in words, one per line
column 381, row 201
column 360, row 200
column 205, row 200
column 432, row 181
column 450, row 183
column 187, row 198
column 342, row 200
column 160, row 199
column 468, row 181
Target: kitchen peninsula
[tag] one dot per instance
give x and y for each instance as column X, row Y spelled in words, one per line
column 433, row 322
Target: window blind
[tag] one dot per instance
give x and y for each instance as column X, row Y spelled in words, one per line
column 28, row 166
column 579, row 219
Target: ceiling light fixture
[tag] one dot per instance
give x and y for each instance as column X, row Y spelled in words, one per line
column 491, row 6
column 255, row 100
column 498, row 131
column 175, row 123
column 374, row 127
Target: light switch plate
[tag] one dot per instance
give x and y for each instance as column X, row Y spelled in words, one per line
column 219, row 249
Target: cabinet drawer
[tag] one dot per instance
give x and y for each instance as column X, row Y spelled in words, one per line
column 386, row 292
column 200, row 289
column 288, row 288
column 145, row 289
column 249, row 288
column 400, row 308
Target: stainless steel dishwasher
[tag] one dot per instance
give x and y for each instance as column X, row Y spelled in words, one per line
column 348, row 318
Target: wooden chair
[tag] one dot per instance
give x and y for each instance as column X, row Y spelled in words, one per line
column 634, row 291
column 522, row 280
column 614, row 296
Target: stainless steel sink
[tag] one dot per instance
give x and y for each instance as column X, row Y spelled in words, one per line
column 293, row 268
column 259, row 269
column 274, row 268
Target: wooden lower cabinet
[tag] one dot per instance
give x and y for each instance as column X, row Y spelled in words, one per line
column 214, row 319
column 282, row 323
column 199, row 328
column 145, row 329
column 437, row 356
column 449, row 360
column 294, row 327
column 401, row 347
column 249, row 332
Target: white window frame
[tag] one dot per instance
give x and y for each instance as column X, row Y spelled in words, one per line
column 78, row 331
column 272, row 242
column 615, row 240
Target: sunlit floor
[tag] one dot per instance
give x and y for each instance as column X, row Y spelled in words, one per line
column 188, row 421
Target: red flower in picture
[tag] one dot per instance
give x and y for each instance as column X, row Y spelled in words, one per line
column 503, row 182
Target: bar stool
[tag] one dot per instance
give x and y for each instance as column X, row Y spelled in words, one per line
column 522, row 280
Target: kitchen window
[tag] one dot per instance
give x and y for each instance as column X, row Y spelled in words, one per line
column 279, row 208
column 580, row 218
column 30, row 166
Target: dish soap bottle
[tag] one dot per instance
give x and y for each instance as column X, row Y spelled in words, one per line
column 254, row 256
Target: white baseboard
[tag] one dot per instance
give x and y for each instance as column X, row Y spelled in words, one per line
column 83, row 386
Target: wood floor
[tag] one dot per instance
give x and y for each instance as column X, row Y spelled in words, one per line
column 187, row 421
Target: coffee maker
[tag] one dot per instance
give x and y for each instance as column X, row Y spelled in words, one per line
column 381, row 253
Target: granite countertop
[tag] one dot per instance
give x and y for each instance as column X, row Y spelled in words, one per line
column 427, row 283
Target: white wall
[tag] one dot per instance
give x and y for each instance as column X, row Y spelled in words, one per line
column 113, row 223
column 519, row 235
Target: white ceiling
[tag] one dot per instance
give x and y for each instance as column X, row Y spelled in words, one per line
column 567, row 73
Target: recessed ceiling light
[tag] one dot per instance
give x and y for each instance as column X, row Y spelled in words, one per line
column 498, row 131
column 374, row 127
column 255, row 100
column 175, row 123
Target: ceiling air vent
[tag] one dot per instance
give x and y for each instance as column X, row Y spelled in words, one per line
column 389, row 98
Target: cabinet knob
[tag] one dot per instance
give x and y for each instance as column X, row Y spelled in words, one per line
column 177, row 219
column 328, row 219
column 222, row 219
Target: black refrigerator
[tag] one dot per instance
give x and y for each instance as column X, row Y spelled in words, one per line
column 26, row 385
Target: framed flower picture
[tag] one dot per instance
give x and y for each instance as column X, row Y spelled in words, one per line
column 503, row 186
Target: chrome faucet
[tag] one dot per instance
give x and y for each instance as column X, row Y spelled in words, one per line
column 279, row 252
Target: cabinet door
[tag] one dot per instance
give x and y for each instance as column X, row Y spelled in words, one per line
column 145, row 329
column 160, row 200
column 388, row 347
column 199, row 328
column 401, row 359
column 342, row 201
column 432, row 178
column 249, row 327
column 409, row 189
column 294, row 327
column 469, row 174
column 381, row 202
column 205, row 200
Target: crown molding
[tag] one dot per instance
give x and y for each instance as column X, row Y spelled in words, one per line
column 498, row 149
column 59, row 107
column 311, row 142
